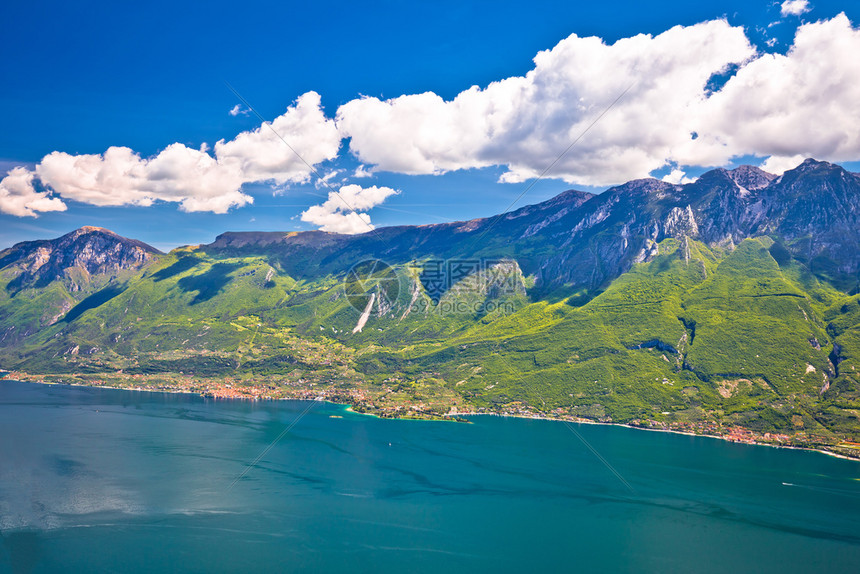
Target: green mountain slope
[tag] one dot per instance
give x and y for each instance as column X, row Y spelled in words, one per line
column 697, row 338
column 717, row 307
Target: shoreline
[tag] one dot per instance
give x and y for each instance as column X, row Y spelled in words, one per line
column 451, row 417
column 670, row 431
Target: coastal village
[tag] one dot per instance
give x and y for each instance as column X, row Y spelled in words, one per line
column 391, row 404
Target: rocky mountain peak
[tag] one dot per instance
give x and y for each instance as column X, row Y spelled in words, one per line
column 646, row 186
column 812, row 163
column 92, row 250
column 814, row 177
column 86, row 229
column 812, row 169
column 750, row 177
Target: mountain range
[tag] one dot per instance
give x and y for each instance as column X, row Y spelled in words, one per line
column 726, row 306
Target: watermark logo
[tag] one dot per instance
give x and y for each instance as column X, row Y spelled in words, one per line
column 490, row 277
column 368, row 279
column 445, row 286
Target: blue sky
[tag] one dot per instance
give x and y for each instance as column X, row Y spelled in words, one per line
column 147, row 76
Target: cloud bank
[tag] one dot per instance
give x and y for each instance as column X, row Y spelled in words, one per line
column 776, row 106
column 524, row 123
column 194, row 178
column 803, row 103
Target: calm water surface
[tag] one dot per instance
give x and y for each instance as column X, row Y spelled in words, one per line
column 99, row 480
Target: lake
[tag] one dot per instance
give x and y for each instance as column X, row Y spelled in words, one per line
column 102, row 480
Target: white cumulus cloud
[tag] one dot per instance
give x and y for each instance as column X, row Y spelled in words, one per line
column 119, row 176
column 794, row 7
column 19, row 197
column 803, row 103
column 343, row 212
column 194, row 178
column 525, row 122
column 261, row 154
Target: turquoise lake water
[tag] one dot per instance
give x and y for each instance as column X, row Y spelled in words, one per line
column 100, row 480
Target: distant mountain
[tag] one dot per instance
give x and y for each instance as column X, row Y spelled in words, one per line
column 45, row 279
column 584, row 240
column 724, row 304
column 91, row 250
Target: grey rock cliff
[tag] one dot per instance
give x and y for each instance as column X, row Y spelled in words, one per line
column 90, row 250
